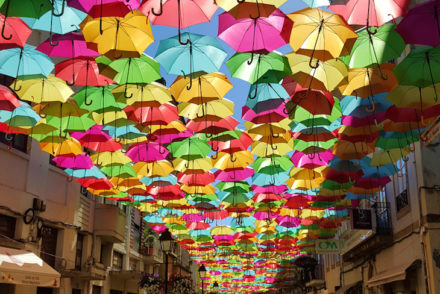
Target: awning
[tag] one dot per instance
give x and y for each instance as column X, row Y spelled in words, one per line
column 392, row 275
column 22, row 267
column 344, row 288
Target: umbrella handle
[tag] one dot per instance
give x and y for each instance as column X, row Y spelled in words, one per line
column 179, row 25
column 232, row 158
column 162, row 148
column 240, row 1
column 253, row 96
column 422, row 121
column 125, row 92
column 51, row 43
column 85, row 99
column 413, row 147
column 373, row 106
column 215, row 156
column 8, row 137
column 258, row 11
column 152, row 9
column 15, row 86
column 274, row 147
column 3, row 31
column 370, row 32
column 203, row 111
column 62, row 8
column 234, row 177
column 73, row 74
column 311, row 156
column 187, row 164
column 316, row 65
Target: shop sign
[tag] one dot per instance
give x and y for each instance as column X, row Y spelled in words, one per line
column 361, row 219
column 330, row 246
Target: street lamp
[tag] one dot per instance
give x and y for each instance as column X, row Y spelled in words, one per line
column 166, row 244
column 215, row 287
column 202, row 274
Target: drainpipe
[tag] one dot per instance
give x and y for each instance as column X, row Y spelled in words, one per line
column 126, row 260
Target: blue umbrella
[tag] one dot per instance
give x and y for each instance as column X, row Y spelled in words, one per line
column 25, row 62
column 202, row 53
column 23, row 116
column 150, row 181
column 94, row 172
column 61, row 20
column 128, row 132
column 273, row 180
column 355, row 106
column 317, row 3
column 267, row 97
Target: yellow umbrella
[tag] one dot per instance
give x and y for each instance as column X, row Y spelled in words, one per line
column 384, row 157
column 209, row 189
column 151, row 95
column 362, row 130
column 110, row 158
column 118, row 37
column 366, row 82
column 414, row 97
column 266, row 149
column 161, row 168
column 68, row 147
column 219, row 108
column 222, row 230
column 325, row 77
column 269, row 129
column 148, row 207
column 40, row 128
column 48, row 89
column 126, row 183
column 347, row 150
column 205, row 88
column 176, row 125
column 240, row 159
column 183, row 165
column 111, row 118
column 59, row 109
column 308, row 184
column 320, row 34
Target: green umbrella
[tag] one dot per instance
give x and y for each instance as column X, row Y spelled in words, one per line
column 100, row 99
column 371, row 50
column 201, row 198
column 234, row 198
column 25, row 8
column 51, row 137
column 120, row 171
column 71, row 123
column 301, row 145
column 142, row 70
column 234, row 187
column 270, row 68
column 272, row 165
column 420, row 68
column 396, row 140
column 190, row 148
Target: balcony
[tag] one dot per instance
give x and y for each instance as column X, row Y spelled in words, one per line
column 92, row 271
column 109, row 223
column 371, row 242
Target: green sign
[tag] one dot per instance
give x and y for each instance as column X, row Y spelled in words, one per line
column 328, row 246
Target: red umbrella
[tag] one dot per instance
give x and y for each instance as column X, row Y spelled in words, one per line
column 270, row 116
column 162, row 115
column 371, row 12
column 15, row 32
column 95, row 184
column 97, row 140
column 213, row 127
column 235, row 145
column 196, row 180
column 314, row 101
column 197, row 225
column 217, row 214
column 81, row 72
column 8, row 100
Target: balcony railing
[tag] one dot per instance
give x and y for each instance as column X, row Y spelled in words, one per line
column 383, row 218
column 402, row 200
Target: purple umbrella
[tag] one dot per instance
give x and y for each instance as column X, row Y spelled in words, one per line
column 253, row 34
column 421, row 25
column 234, row 175
column 81, row 161
column 70, row 45
column 147, row 152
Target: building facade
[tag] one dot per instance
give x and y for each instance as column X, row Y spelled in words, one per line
column 97, row 246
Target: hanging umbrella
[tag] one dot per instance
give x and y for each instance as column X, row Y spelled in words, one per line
column 413, row 97
column 147, row 151
column 150, row 95
column 320, row 34
column 178, row 13
column 208, row 87
column 14, row 33
column 118, row 37
column 371, row 50
column 219, row 108
column 191, row 148
column 384, row 157
column 419, row 68
column 228, row 5
column 80, row 161
column 371, row 12
column 23, row 116
column 268, row 68
column 26, row 61
column 326, row 77
column 256, row 33
column 417, row 26
column 317, row 3
column 97, row 99
column 89, row 5
column 263, row 97
column 201, row 53
column 43, row 90
column 70, row 45
column 26, row 8
column 81, row 72
column 8, row 99
column 61, row 19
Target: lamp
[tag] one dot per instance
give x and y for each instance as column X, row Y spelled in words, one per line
column 215, row 287
column 166, row 244
column 202, row 274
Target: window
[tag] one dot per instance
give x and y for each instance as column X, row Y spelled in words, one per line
column 7, row 226
column 85, row 192
column 136, row 237
column 132, row 264
column 16, row 141
column 76, row 291
column 117, row 260
column 401, row 185
column 79, row 251
column 49, row 245
column 96, row 289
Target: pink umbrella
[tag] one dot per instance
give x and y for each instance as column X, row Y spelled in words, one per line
column 87, row 5
column 273, row 115
column 371, row 12
column 168, row 138
column 70, row 45
column 269, row 189
column 421, row 25
column 288, row 221
column 147, row 152
column 371, row 120
column 178, row 13
column 259, row 215
column 192, row 217
column 96, row 139
column 218, row 214
column 300, row 159
column 253, row 34
column 81, row 161
column 234, row 175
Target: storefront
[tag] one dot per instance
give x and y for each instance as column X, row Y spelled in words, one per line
column 23, row 272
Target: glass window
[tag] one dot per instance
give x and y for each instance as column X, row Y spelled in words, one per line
column 136, row 237
column 117, row 260
column 16, row 141
column 401, row 185
column 79, row 251
column 7, row 226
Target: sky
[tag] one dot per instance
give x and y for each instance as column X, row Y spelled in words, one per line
column 241, row 88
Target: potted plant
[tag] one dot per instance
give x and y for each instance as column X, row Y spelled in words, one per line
column 150, row 283
column 181, row 285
